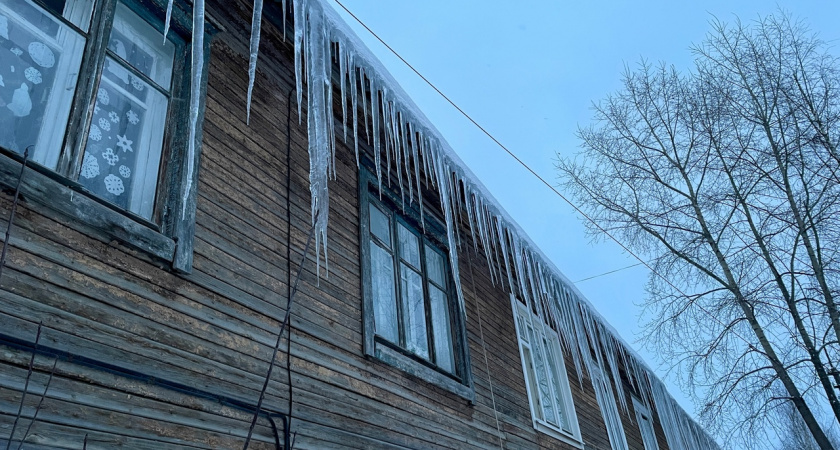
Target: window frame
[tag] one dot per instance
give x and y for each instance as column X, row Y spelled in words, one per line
column 571, row 436
column 606, row 399
column 379, row 348
column 643, row 415
column 168, row 233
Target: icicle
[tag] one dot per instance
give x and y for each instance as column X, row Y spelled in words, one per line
column 300, row 28
column 342, row 72
column 355, row 104
column 283, row 17
column 167, row 20
column 450, row 230
column 256, row 21
column 364, row 101
column 197, row 68
column 374, row 119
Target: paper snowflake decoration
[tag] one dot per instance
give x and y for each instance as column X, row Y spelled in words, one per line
column 114, row 117
column 132, row 117
column 95, row 133
column 17, row 51
column 110, row 156
column 33, row 75
column 125, row 172
column 137, row 83
column 96, row 108
column 105, row 124
column 102, row 96
column 124, row 144
column 114, row 184
column 90, row 166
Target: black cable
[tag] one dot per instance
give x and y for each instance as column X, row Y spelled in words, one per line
column 288, row 425
column 13, row 211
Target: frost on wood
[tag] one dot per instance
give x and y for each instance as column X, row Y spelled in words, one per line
column 411, row 144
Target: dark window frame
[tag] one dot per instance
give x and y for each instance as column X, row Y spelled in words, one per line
column 168, row 234
column 429, row 232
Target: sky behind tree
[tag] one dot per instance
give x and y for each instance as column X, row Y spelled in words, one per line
column 529, row 74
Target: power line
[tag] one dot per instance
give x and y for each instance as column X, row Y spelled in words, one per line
column 607, row 273
column 540, row 178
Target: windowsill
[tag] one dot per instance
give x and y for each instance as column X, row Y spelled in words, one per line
column 557, row 434
column 407, row 364
column 82, row 209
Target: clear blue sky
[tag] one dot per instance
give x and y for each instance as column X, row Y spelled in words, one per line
column 528, row 71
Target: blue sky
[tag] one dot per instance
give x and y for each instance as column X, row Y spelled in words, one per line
column 528, row 72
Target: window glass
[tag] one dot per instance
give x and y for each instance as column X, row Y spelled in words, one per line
column 409, row 246
column 435, row 265
column 444, row 356
column 414, row 312
column 380, row 225
column 125, row 140
column 384, row 293
column 542, row 382
column 40, row 57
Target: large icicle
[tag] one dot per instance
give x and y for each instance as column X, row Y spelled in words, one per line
column 167, row 20
column 256, row 21
column 197, row 71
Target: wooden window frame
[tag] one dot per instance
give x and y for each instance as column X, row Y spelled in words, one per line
column 430, row 232
column 571, row 436
column 606, row 399
column 168, row 234
column 643, row 415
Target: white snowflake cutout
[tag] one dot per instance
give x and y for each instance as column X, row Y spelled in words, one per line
column 114, row 184
column 17, row 51
column 124, row 144
column 41, row 54
column 33, row 75
column 95, row 133
column 137, row 83
column 102, row 96
column 1, row 81
column 125, row 172
column 110, row 156
column 96, row 108
column 114, row 117
column 132, row 117
column 104, row 124
column 90, row 166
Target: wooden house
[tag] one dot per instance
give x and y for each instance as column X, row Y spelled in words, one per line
column 156, row 238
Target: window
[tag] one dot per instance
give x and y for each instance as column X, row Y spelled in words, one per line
column 412, row 319
column 609, row 409
column 645, row 421
column 90, row 87
column 546, row 381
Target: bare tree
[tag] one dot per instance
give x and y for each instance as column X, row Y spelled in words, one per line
column 727, row 178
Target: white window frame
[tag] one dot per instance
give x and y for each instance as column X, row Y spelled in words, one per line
column 524, row 317
column 645, row 421
column 609, row 408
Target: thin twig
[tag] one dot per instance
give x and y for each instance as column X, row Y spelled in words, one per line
column 25, row 385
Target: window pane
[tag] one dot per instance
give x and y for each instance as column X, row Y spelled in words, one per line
column 384, row 293
column 380, row 225
column 546, row 399
column 555, row 382
column 441, row 331
column 532, row 382
column 435, row 266
column 122, row 155
column 40, row 65
column 142, row 46
column 414, row 312
column 409, row 246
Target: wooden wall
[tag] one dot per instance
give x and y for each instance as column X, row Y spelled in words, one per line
column 146, row 358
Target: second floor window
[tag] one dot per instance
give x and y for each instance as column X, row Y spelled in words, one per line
column 111, row 140
column 546, row 380
column 410, row 289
